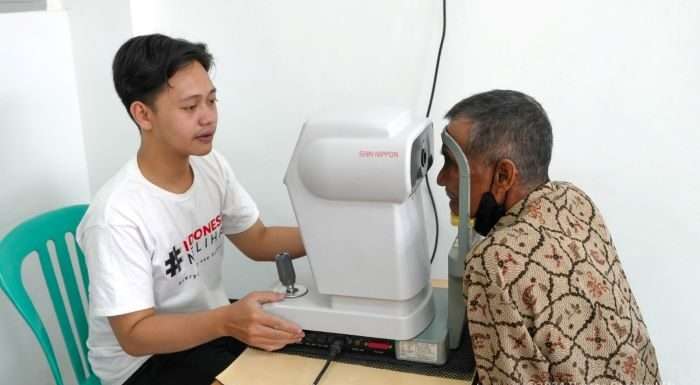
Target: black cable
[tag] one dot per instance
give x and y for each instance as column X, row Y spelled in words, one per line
column 335, row 348
column 318, row 378
column 437, row 226
column 427, row 115
column 437, row 63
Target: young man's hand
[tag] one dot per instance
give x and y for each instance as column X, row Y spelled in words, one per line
column 146, row 332
column 246, row 321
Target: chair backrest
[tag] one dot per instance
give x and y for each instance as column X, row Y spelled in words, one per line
column 35, row 235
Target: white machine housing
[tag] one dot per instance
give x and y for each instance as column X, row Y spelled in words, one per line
column 355, row 183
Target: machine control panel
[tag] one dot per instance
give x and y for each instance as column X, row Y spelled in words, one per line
column 350, row 343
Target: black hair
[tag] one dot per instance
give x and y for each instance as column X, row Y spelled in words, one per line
column 508, row 124
column 143, row 65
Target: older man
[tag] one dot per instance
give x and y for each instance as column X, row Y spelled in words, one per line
column 547, row 299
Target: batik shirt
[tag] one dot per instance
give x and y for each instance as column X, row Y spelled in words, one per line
column 548, row 301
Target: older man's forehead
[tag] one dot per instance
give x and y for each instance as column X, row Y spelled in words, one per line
column 458, row 130
column 444, row 150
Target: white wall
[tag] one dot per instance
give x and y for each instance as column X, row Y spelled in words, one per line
column 618, row 79
column 98, row 29
column 42, row 162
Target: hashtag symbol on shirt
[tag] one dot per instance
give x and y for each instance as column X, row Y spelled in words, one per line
column 173, row 262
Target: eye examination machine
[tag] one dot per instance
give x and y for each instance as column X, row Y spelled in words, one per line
column 357, row 184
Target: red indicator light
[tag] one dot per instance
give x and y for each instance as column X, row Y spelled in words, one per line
column 376, row 345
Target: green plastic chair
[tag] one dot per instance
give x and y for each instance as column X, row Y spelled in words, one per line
column 33, row 236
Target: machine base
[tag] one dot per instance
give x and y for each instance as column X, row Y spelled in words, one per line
column 394, row 320
column 430, row 346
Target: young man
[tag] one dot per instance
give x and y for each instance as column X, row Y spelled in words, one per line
column 547, row 299
column 153, row 235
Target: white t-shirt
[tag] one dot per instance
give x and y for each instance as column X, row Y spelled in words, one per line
column 149, row 248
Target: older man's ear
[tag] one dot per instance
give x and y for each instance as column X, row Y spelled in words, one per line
column 507, row 186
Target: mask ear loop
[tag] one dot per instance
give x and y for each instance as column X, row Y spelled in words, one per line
column 455, row 262
column 493, row 179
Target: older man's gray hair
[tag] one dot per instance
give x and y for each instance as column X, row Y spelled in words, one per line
column 508, row 124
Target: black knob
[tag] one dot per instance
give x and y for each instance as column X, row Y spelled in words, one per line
column 285, row 269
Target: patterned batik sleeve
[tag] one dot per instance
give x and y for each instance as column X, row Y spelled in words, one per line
column 502, row 338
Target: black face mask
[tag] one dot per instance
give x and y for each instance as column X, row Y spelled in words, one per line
column 488, row 213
